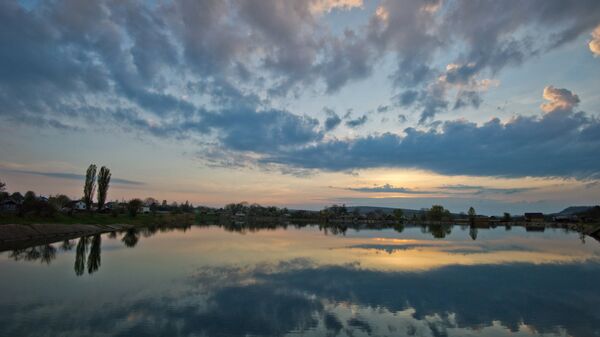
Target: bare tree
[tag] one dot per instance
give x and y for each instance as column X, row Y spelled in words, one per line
column 90, row 187
column 2, row 186
column 103, row 182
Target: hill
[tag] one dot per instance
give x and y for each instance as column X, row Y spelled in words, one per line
column 574, row 210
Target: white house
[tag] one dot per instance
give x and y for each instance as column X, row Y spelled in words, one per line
column 75, row 205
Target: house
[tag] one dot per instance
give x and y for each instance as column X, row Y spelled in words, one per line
column 111, row 205
column 534, row 217
column 9, row 205
column 565, row 218
column 75, row 205
column 144, row 209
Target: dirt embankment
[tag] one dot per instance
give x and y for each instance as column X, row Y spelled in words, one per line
column 14, row 236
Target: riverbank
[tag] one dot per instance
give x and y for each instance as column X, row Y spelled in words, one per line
column 99, row 219
column 16, row 236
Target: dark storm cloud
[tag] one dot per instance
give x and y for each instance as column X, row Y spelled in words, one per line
column 561, row 143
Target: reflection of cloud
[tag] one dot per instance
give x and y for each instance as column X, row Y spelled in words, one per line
column 452, row 249
column 300, row 295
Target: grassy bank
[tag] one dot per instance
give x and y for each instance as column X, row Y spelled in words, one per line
column 100, row 219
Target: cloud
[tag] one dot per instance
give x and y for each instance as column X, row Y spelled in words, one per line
column 476, row 189
column 387, row 188
column 354, row 123
column 595, row 42
column 77, row 65
column 458, row 189
column 515, row 148
column 383, row 108
column 322, row 6
column 514, row 32
column 74, row 176
column 332, row 121
column 559, row 100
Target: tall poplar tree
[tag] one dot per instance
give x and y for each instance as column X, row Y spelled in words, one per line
column 90, row 187
column 103, row 182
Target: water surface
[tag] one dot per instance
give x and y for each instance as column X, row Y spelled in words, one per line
column 208, row 281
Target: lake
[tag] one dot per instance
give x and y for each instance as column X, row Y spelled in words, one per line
column 209, row 281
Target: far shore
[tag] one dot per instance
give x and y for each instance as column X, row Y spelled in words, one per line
column 24, row 232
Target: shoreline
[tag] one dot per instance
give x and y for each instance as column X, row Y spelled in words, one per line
column 18, row 236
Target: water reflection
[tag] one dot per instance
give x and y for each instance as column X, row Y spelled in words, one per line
column 44, row 253
column 211, row 282
column 131, row 237
column 93, row 261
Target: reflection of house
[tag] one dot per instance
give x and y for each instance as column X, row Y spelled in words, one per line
column 534, row 217
column 9, row 205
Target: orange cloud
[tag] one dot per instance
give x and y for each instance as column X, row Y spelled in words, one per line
column 559, row 99
column 323, row 6
column 595, row 42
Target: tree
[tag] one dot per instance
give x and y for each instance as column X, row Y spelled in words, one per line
column 29, row 202
column 89, row 187
column 59, row 201
column 133, row 206
column 103, row 182
column 2, row 186
column 506, row 217
column 472, row 214
column 437, row 213
column 398, row 214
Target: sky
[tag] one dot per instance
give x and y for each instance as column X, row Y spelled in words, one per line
column 306, row 103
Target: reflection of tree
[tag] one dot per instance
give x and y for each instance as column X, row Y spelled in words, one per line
column 48, row 253
column 66, row 245
column 112, row 235
column 80, row 252
column 473, row 232
column 44, row 253
column 440, row 231
column 131, row 237
column 93, row 261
